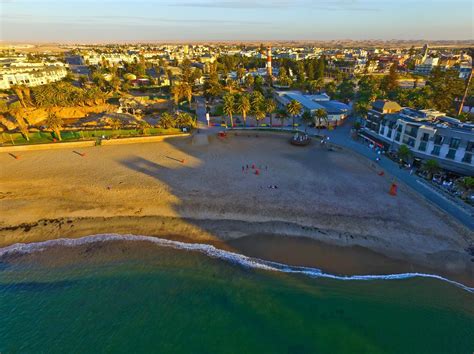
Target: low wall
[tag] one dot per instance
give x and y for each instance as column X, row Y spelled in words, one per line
column 88, row 143
column 141, row 139
column 49, row 146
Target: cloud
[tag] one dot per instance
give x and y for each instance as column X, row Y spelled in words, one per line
column 126, row 20
column 337, row 5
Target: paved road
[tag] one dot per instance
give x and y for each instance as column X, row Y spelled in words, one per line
column 341, row 136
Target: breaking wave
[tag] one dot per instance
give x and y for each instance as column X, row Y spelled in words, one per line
column 211, row 251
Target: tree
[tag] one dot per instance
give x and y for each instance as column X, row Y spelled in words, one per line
column 54, row 123
column 144, row 125
column 116, row 123
column 320, row 117
column 244, row 106
column 229, row 107
column 330, row 89
column 293, row 108
column 184, row 119
column 249, row 81
column 446, row 87
column 212, row 89
column 466, row 184
column 167, row 121
column 283, row 78
column 389, row 83
column 259, row 115
column 240, row 73
column 269, row 107
column 19, row 93
column 404, row 153
column 256, row 102
column 282, row 114
column 345, row 91
column 431, row 167
column 316, row 85
column 16, row 112
column 362, row 108
column 306, row 117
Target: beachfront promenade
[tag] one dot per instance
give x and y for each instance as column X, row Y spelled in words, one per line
column 342, row 137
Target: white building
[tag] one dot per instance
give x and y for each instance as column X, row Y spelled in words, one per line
column 31, row 76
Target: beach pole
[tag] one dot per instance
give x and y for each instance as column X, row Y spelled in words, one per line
column 393, row 189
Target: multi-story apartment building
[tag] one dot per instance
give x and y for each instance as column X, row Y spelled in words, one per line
column 31, row 76
column 109, row 58
column 429, row 135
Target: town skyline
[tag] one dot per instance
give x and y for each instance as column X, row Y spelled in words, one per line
column 198, row 20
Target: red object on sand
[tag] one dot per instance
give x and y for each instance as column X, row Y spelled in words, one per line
column 393, row 189
column 257, row 172
column 381, row 173
column 182, row 161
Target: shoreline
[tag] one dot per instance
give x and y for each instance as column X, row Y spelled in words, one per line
column 283, row 242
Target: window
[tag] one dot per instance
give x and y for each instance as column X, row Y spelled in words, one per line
column 425, row 137
column 422, row 146
column 454, row 143
column 451, row 153
column 467, row 158
column 438, row 140
column 470, row 146
column 408, row 141
column 397, row 138
column 435, row 150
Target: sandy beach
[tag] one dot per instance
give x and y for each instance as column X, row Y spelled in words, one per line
column 185, row 188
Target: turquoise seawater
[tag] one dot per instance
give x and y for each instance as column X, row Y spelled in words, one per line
column 164, row 300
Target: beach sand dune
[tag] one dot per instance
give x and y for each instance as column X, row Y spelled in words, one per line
column 211, row 189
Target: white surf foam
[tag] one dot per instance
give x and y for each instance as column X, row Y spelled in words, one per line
column 211, row 251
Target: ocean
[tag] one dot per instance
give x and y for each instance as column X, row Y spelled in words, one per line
column 133, row 294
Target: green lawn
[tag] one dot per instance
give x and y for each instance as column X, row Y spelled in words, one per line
column 48, row 137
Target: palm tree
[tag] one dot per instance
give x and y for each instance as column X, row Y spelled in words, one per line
column 144, row 125
column 19, row 93
column 55, row 123
column 431, row 167
column 282, row 115
column 320, row 116
column 293, row 108
column 259, row 115
column 187, row 91
column 184, row 119
column 15, row 111
column 231, row 85
column 176, row 92
column 270, row 107
column 249, row 81
column 307, row 118
column 404, row 153
column 256, row 103
column 466, row 184
column 243, row 106
column 229, row 107
column 116, row 123
column 167, row 121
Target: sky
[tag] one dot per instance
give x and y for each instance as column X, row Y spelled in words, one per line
column 201, row 20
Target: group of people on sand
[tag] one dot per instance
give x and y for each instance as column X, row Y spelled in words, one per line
column 253, row 168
